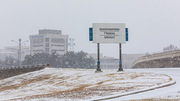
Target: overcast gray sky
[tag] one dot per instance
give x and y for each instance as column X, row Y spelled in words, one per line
column 153, row 24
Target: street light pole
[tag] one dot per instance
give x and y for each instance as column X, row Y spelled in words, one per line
column 19, row 50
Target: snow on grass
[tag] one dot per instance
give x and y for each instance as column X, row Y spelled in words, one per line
column 76, row 84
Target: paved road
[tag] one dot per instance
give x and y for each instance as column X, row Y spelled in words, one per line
column 161, row 92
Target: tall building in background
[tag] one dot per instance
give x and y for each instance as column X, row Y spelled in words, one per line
column 49, row 41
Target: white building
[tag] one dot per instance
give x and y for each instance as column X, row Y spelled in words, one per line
column 49, row 41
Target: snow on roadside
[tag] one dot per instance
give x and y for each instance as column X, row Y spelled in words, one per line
column 76, row 84
column 169, row 93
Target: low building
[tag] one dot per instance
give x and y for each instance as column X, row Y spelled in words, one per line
column 12, row 51
column 49, row 41
column 113, row 63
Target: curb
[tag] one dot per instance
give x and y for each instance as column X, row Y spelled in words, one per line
column 138, row 91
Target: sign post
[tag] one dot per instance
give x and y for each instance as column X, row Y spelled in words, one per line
column 120, row 58
column 108, row 33
column 98, row 69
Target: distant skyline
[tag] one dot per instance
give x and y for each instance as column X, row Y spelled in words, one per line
column 152, row 24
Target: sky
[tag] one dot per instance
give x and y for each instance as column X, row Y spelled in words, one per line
column 152, row 24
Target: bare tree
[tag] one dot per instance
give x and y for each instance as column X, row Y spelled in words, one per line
column 170, row 48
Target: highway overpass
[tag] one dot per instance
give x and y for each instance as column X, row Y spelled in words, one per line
column 159, row 60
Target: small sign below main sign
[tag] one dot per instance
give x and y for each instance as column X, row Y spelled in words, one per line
column 109, row 33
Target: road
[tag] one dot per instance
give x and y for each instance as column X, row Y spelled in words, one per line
column 161, row 92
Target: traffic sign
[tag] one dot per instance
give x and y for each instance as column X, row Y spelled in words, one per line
column 109, row 33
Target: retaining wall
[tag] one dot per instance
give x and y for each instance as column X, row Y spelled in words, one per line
column 159, row 60
column 9, row 72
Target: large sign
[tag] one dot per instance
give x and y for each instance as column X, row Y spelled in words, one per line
column 109, row 33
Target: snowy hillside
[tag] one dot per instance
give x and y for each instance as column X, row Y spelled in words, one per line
column 76, row 84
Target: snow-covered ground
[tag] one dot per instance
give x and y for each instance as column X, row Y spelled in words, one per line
column 81, row 84
column 171, row 93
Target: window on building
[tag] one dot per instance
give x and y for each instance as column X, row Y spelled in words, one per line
column 47, row 44
column 37, row 50
column 46, row 39
column 37, row 41
column 37, row 45
column 57, row 50
column 46, row 49
column 55, row 45
column 57, row 40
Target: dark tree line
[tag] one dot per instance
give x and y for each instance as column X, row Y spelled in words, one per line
column 68, row 60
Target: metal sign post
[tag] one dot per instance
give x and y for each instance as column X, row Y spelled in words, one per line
column 98, row 69
column 120, row 58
